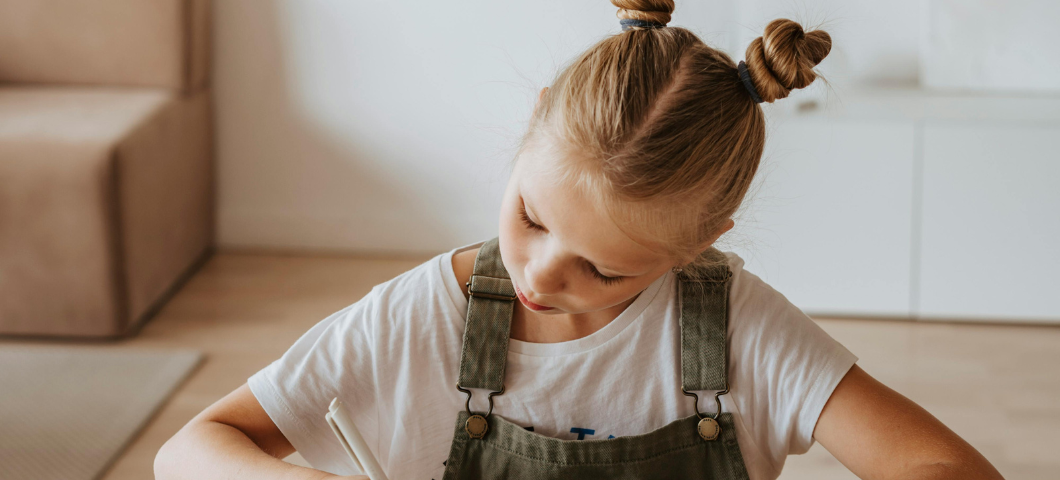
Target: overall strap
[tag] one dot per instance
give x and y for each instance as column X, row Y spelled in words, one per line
column 704, row 323
column 489, row 319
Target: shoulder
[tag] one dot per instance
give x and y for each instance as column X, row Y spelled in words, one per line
column 751, row 298
column 423, row 291
column 433, row 290
column 782, row 364
column 463, row 266
column 419, row 308
column 773, row 342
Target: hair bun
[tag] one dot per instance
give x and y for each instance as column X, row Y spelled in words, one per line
column 782, row 59
column 655, row 11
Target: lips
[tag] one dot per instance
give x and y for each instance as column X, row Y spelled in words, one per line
column 528, row 303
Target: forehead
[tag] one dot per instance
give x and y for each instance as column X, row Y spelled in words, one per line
column 563, row 202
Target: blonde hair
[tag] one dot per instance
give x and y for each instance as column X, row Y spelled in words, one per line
column 658, row 127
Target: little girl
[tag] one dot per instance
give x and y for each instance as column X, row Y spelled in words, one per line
column 600, row 335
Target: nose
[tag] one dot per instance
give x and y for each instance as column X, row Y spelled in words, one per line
column 544, row 273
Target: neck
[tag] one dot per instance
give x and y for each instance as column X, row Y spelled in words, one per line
column 533, row 327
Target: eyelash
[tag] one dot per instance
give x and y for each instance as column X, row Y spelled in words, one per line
column 592, row 270
column 526, row 220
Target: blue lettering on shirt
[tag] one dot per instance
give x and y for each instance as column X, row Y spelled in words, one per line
column 582, row 432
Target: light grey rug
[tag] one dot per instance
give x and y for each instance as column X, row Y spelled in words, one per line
column 67, row 412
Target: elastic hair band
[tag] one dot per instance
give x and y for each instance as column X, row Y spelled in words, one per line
column 628, row 23
column 745, row 77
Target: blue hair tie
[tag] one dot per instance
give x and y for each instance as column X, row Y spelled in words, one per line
column 628, row 23
column 745, row 77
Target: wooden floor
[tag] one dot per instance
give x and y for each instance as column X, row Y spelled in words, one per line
column 997, row 386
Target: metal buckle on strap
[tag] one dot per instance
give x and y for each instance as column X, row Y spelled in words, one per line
column 717, row 400
column 472, row 293
column 476, row 425
column 467, row 404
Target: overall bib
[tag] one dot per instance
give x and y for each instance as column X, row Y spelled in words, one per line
column 488, row 446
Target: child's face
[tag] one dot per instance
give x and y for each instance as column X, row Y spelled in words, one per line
column 553, row 266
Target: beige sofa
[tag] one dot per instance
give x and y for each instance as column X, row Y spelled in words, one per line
column 106, row 170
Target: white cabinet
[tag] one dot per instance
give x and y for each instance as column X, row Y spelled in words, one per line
column 828, row 223
column 907, row 203
column 990, row 242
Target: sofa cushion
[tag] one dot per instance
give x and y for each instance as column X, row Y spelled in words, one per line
column 105, row 199
column 161, row 43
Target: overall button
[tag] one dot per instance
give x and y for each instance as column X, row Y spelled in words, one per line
column 476, row 426
column 709, row 429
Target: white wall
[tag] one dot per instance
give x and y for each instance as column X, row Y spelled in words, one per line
column 388, row 126
column 991, row 45
column 380, row 126
column 873, row 41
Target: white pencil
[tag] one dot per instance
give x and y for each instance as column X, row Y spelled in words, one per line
column 352, row 441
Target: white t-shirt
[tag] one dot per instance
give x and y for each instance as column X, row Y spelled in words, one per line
column 393, row 357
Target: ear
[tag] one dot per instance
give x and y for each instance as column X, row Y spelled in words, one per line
column 706, row 245
column 725, row 228
column 540, row 97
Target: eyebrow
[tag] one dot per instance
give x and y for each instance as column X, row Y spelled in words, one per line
column 529, row 210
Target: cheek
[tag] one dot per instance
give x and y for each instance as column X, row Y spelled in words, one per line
column 510, row 222
column 513, row 240
column 608, row 296
column 591, row 297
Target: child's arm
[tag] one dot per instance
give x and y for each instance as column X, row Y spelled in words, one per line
column 233, row 438
column 879, row 434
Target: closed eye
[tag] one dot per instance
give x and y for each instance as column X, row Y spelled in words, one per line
column 526, row 220
column 601, row 277
column 588, row 266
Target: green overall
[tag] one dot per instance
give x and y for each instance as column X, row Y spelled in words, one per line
column 488, row 446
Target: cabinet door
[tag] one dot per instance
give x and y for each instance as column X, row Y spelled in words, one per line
column 830, row 223
column 991, row 222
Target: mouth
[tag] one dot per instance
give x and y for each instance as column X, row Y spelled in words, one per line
column 528, row 303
